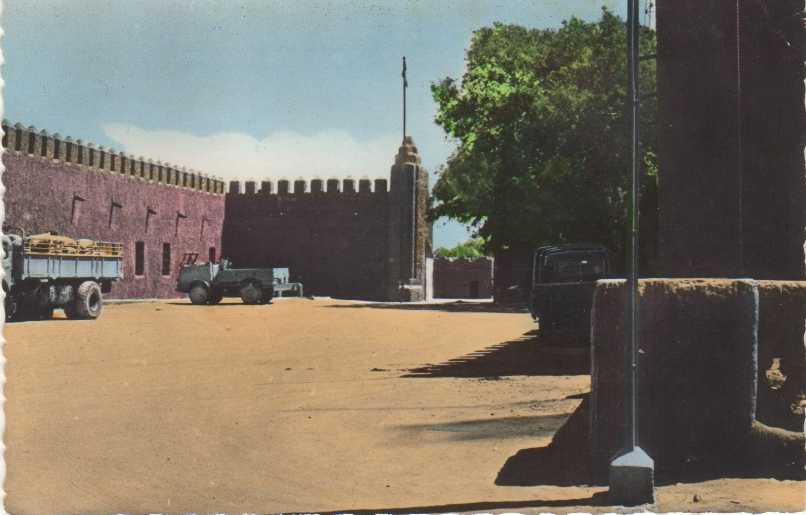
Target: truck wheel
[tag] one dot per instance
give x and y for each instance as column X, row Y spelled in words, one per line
column 89, row 300
column 251, row 293
column 215, row 297
column 198, row 294
column 11, row 307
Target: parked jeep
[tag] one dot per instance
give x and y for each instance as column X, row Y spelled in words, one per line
column 208, row 283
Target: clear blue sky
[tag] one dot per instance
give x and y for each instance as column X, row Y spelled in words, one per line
column 251, row 89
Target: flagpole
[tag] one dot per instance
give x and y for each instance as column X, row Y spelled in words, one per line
column 405, row 85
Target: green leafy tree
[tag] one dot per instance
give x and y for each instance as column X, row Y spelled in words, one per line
column 542, row 129
column 470, row 249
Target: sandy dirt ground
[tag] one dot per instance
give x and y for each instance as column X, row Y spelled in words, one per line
column 298, row 406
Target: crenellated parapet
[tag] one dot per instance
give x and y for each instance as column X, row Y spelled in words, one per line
column 26, row 141
column 302, row 187
column 344, row 237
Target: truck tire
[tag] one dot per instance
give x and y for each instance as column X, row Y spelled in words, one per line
column 215, row 297
column 89, row 300
column 251, row 293
column 199, row 294
column 11, row 307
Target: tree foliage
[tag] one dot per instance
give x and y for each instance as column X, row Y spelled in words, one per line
column 542, row 129
column 470, row 249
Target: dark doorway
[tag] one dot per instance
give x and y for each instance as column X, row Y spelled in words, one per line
column 166, row 259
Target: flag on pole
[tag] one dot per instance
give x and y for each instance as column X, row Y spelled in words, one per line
column 403, row 74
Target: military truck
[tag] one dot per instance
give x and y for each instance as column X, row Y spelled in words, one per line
column 563, row 280
column 48, row 271
column 208, row 283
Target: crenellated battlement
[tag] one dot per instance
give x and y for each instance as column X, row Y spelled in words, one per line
column 27, row 141
column 300, row 187
column 345, row 237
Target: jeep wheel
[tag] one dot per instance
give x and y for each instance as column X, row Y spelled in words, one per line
column 198, row 294
column 89, row 301
column 215, row 297
column 251, row 293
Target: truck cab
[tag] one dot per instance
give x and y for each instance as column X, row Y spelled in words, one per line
column 563, row 279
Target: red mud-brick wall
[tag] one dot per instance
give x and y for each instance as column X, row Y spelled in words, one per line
column 454, row 278
column 112, row 197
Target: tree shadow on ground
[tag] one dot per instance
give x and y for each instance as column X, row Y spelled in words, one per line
column 530, row 354
column 216, row 306
column 452, row 307
column 565, row 462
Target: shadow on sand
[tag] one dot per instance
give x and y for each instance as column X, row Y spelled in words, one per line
column 452, row 307
column 499, row 428
column 532, row 354
column 597, row 499
column 564, row 462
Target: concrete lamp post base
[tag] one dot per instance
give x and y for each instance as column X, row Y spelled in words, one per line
column 632, row 479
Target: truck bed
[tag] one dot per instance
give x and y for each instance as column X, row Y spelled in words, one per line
column 233, row 276
column 42, row 266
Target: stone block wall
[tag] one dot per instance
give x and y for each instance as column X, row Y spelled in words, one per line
column 781, row 354
column 696, row 368
column 76, row 189
column 715, row 357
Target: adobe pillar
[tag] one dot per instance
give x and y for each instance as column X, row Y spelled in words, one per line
column 409, row 229
column 732, row 195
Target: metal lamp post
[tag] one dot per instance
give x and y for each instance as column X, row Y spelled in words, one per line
column 632, row 470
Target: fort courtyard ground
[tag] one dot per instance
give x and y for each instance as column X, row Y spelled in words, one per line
column 306, row 405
